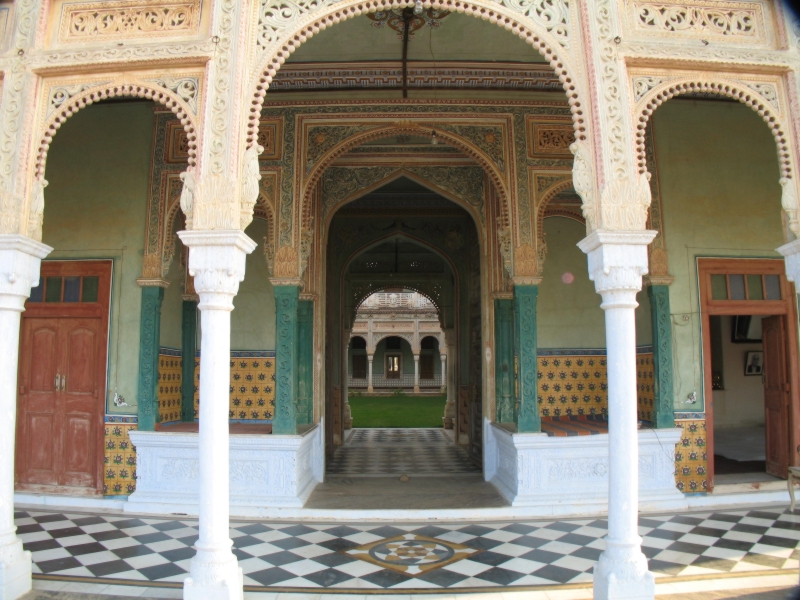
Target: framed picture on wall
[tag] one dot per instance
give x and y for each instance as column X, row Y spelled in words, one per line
column 754, row 363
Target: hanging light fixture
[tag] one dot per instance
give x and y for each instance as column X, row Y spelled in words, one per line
column 434, row 139
column 418, row 7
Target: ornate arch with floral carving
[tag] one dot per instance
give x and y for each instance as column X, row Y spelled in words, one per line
column 764, row 96
column 497, row 178
column 550, row 27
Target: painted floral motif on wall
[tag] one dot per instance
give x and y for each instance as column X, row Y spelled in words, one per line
column 119, row 457
column 169, row 387
column 691, row 460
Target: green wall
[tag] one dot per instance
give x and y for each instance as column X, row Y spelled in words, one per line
column 718, row 169
column 569, row 315
column 98, row 168
column 253, row 318
column 172, row 306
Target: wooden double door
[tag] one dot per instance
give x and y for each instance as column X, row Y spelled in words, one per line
column 62, row 379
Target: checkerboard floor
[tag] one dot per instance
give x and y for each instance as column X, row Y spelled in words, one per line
column 313, row 556
column 380, row 452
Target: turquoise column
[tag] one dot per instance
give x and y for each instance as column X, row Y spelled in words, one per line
column 504, row 360
column 149, row 337
column 286, row 359
column 663, row 411
column 188, row 352
column 525, row 297
column 305, row 372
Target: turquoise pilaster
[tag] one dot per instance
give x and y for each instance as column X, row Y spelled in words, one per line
column 286, row 359
column 663, row 411
column 525, row 297
column 504, row 360
column 149, row 337
column 188, row 351
column 305, row 374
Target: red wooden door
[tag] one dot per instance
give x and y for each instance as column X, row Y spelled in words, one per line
column 62, row 379
column 776, row 395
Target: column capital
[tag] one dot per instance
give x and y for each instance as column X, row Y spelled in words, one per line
column 217, row 263
column 20, row 259
column 154, row 282
column 525, row 281
column 617, row 262
column 791, row 252
column 283, row 281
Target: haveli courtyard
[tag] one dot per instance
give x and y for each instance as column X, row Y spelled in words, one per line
column 229, row 229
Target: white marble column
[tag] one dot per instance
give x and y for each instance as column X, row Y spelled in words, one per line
column 347, row 414
column 20, row 258
column 217, row 262
column 443, row 358
column 416, row 373
column 450, row 412
column 791, row 252
column 369, row 374
column 617, row 262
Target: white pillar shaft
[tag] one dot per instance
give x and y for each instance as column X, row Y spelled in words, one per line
column 217, row 262
column 617, row 261
column 444, row 370
column 20, row 259
column 416, row 372
column 214, row 438
column 623, row 441
column 369, row 373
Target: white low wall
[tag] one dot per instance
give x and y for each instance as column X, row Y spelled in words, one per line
column 266, row 471
column 569, row 475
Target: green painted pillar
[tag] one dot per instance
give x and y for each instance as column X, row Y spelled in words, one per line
column 663, row 410
column 525, row 297
column 149, row 337
column 188, row 352
column 305, row 371
column 504, row 360
column 286, row 359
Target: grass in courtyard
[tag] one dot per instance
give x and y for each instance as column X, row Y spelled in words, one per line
column 397, row 411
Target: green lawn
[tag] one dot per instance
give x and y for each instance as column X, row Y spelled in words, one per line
column 397, row 411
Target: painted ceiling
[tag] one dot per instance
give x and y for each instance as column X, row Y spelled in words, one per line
column 457, row 38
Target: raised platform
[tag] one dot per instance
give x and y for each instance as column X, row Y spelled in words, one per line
column 266, row 471
column 570, row 474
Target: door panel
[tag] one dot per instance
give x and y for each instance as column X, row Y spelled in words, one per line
column 79, row 451
column 41, row 451
column 426, row 366
column 776, row 395
column 62, row 387
column 80, row 360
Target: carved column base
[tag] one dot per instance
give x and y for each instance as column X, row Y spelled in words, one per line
column 621, row 573
column 221, row 577
column 370, row 389
column 15, row 570
column 416, row 389
column 449, row 418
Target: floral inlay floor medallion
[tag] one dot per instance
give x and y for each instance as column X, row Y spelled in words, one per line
column 412, row 554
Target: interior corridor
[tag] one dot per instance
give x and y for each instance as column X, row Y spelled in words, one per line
column 403, row 469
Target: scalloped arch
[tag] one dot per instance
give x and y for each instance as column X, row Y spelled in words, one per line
column 533, row 33
column 115, row 90
column 379, row 132
column 409, row 287
column 724, row 87
column 547, row 197
column 403, row 337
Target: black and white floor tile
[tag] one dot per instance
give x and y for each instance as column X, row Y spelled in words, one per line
column 455, row 556
column 380, row 452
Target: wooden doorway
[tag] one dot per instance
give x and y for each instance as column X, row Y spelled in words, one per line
column 62, row 379
column 757, row 287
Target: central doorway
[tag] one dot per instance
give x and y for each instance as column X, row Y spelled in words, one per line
column 403, row 291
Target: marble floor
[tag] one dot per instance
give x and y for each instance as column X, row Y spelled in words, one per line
column 147, row 552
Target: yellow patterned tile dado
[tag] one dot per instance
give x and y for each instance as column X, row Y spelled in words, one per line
column 575, row 382
column 691, row 459
column 169, row 387
column 119, row 457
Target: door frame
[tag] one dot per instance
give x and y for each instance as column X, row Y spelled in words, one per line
column 100, row 267
column 786, row 306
